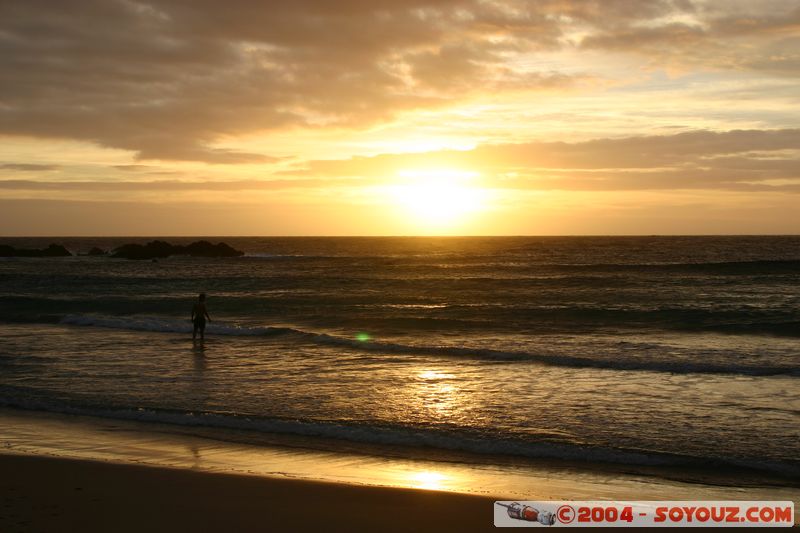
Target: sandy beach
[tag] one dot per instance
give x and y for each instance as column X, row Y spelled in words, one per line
column 51, row 494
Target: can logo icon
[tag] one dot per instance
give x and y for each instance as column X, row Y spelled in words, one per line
column 518, row 511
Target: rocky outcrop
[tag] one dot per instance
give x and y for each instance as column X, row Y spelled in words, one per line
column 151, row 250
column 162, row 249
column 54, row 250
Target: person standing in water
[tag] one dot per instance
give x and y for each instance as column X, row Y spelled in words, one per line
column 199, row 316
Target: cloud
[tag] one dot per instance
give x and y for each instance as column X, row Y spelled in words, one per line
column 27, row 167
column 172, row 185
column 738, row 160
column 172, row 79
column 756, row 36
column 134, row 168
column 732, row 160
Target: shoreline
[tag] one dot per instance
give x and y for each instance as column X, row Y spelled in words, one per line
column 81, row 437
column 55, row 494
column 65, row 428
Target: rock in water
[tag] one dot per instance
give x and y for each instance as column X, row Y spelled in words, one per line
column 161, row 249
column 206, row 249
column 54, row 250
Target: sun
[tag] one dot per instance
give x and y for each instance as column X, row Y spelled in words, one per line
column 437, row 197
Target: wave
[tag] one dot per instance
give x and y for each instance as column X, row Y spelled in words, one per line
column 169, row 325
column 743, row 267
column 371, row 311
column 166, row 325
column 263, row 255
column 472, row 261
column 389, row 435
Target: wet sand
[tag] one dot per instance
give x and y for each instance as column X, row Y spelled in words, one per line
column 52, row 494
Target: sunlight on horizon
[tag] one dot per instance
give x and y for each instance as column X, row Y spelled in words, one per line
column 437, row 198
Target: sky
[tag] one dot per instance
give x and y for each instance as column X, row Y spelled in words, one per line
column 399, row 117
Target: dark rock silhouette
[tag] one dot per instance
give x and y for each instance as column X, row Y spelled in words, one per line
column 151, row 250
column 206, row 249
column 161, row 249
column 54, row 250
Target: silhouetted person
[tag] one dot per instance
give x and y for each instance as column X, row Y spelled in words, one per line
column 199, row 316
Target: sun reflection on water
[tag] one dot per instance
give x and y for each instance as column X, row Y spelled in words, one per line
column 433, row 374
column 433, row 391
column 427, row 480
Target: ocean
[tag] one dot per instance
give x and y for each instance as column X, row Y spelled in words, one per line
column 628, row 352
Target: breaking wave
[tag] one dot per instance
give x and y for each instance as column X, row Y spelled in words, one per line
column 167, row 325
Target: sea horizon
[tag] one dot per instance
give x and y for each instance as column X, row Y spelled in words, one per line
column 422, row 236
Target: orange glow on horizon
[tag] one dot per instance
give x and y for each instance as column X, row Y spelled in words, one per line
column 437, row 198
